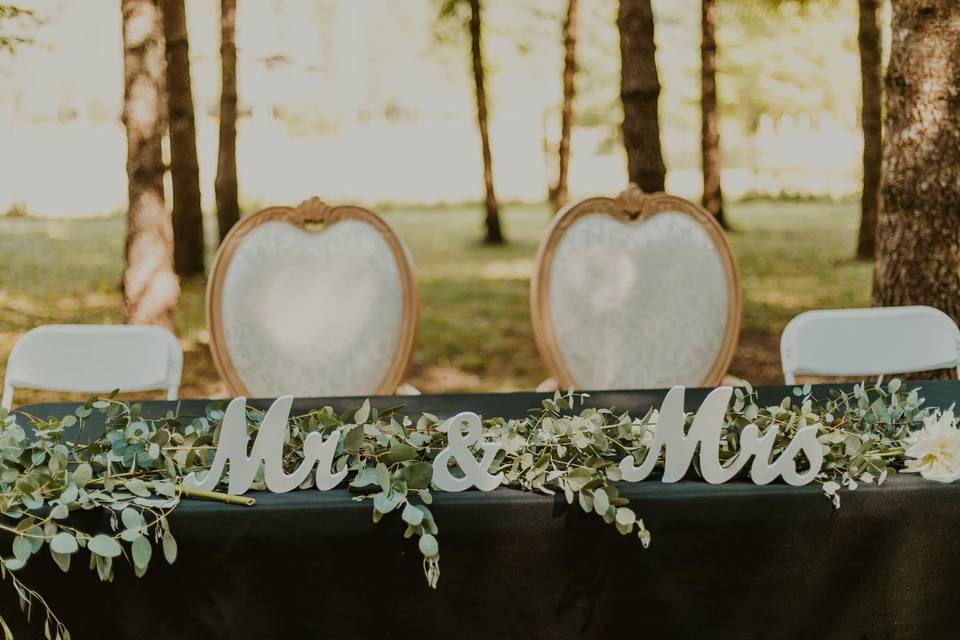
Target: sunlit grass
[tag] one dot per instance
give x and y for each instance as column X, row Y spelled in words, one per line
column 474, row 329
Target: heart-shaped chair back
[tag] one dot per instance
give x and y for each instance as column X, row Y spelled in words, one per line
column 312, row 301
column 637, row 291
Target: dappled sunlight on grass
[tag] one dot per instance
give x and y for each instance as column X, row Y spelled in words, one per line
column 474, row 332
column 507, row 270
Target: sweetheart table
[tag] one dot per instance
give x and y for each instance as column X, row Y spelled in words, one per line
column 735, row 560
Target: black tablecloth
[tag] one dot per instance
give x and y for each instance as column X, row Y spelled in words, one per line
column 732, row 561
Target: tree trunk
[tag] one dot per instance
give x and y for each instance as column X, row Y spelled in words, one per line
column 188, row 245
column 918, row 253
column 150, row 287
column 225, row 185
column 870, row 116
column 560, row 194
column 709, row 126
column 640, row 93
column 494, row 232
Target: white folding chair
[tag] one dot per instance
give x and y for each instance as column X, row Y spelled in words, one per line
column 312, row 300
column 872, row 341
column 635, row 292
column 94, row 359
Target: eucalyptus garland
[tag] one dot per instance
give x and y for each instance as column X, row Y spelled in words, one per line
column 133, row 470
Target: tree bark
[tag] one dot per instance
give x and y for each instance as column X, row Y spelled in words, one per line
column 494, row 232
column 225, row 185
column 188, row 245
column 871, row 70
column 918, row 252
column 559, row 192
column 640, row 93
column 709, row 126
column 150, row 287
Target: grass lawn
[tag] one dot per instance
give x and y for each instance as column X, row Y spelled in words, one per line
column 475, row 332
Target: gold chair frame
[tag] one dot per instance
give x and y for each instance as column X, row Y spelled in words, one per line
column 308, row 215
column 632, row 206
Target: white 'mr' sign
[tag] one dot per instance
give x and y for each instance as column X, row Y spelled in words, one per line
column 268, row 451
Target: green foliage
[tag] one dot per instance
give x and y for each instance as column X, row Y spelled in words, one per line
column 768, row 67
column 453, row 10
column 132, row 472
column 128, row 473
column 862, row 433
column 18, row 16
column 453, row 21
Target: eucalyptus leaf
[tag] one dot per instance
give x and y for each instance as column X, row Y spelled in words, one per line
column 22, row 549
column 64, row 543
column 141, row 551
column 164, row 488
column 600, row 501
column 625, row 516
column 82, row 474
column 132, row 519
column 14, row 564
column 61, row 559
column 138, row 487
column 400, row 452
column 419, row 475
column 69, row 494
column 411, row 515
column 105, row 546
column 385, row 503
column 366, row 477
column 169, row 547
column 383, row 477
column 353, row 439
column 363, row 413
column 59, row 512
column 429, row 546
column 129, row 535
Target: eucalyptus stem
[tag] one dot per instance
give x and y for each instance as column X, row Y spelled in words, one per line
column 889, row 453
column 114, row 476
column 246, row 501
column 28, row 595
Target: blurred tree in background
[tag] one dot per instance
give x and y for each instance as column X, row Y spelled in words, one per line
column 640, row 94
column 473, row 21
column 559, row 195
column 188, row 248
column 225, row 184
column 918, row 252
column 871, row 71
column 150, row 287
column 709, row 123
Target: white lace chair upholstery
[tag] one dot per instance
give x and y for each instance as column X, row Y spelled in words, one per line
column 637, row 291
column 312, row 301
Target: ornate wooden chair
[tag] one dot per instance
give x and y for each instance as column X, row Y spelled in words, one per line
column 312, row 301
column 637, row 291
